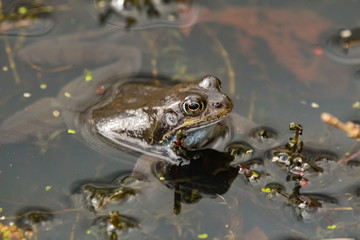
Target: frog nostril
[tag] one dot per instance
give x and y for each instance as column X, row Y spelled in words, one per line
column 218, row 104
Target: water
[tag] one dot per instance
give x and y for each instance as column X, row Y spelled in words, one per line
column 280, row 62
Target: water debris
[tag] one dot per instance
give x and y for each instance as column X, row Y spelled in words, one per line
column 318, row 51
column 43, row 86
column 315, row 105
column 71, row 131
column 331, row 227
column 11, row 231
column 345, row 33
column 203, row 236
column 47, row 188
column 88, row 75
column 27, row 95
column 10, row 55
column 22, row 10
column 350, row 128
column 56, row 113
column 356, row 104
column 67, row 94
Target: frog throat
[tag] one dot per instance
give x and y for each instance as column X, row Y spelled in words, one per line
column 194, row 123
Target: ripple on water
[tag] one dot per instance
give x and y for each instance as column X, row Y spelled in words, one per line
column 35, row 219
column 264, row 135
column 344, row 46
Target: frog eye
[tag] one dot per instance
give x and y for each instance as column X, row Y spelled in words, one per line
column 193, row 106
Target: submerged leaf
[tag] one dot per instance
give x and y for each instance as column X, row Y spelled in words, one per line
column 72, row 131
column 203, row 236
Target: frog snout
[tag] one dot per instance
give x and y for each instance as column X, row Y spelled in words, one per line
column 218, row 105
column 224, row 103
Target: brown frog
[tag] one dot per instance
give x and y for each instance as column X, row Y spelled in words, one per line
column 144, row 114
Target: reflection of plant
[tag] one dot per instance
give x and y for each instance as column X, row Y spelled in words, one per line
column 98, row 197
column 25, row 12
column 22, row 15
column 148, row 7
column 113, row 225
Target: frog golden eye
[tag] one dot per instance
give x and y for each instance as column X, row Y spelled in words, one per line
column 193, row 106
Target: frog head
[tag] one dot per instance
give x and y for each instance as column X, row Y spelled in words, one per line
column 192, row 107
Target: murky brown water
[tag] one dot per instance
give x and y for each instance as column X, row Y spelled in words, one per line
column 279, row 62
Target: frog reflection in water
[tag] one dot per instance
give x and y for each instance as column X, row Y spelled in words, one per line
column 135, row 113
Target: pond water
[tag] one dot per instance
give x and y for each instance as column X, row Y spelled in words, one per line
column 280, row 62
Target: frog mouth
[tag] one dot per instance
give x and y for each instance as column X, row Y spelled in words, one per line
column 195, row 126
column 191, row 126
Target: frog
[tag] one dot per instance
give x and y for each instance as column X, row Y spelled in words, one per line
column 120, row 109
column 153, row 119
column 133, row 114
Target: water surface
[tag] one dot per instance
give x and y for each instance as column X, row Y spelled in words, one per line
column 278, row 64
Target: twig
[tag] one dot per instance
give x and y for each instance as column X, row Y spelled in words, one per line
column 350, row 128
column 252, row 105
column 12, row 64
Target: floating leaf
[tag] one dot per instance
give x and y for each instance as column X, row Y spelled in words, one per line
column 56, row 113
column 315, row 105
column 22, row 10
column 203, row 236
column 27, row 95
column 331, row 227
column 72, row 131
column 356, row 104
column 88, row 75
